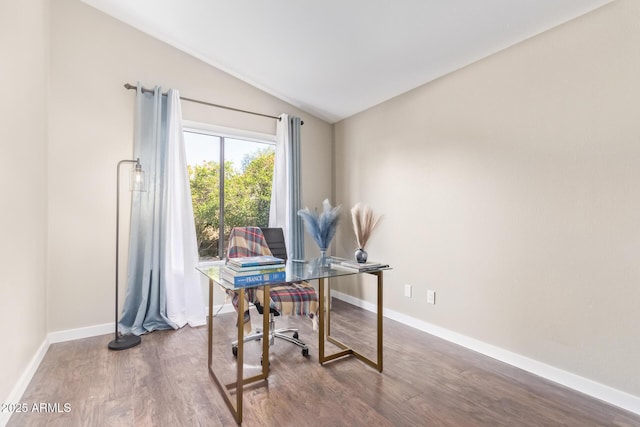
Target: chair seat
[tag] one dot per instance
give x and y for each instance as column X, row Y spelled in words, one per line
column 296, row 299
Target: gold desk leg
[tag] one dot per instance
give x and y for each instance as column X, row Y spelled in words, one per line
column 321, row 332
column 379, row 274
column 346, row 350
column 325, row 327
column 236, row 408
column 328, row 305
column 210, row 331
column 265, row 330
column 240, row 358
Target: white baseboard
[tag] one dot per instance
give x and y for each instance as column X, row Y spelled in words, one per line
column 16, row 393
column 80, row 333
column 51, row 338
column 589, row 387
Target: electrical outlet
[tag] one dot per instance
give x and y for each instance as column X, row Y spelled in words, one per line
column 431, row 297
column 407, row 290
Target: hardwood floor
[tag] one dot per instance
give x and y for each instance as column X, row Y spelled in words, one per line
column 426, row 382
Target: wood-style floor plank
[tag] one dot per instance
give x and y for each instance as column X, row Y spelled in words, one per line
column 426, row 382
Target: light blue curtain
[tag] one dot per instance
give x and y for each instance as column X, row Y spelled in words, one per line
column 286, row 194
column 145, row 304
column 297, row 226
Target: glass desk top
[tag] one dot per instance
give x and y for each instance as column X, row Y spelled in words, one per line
column 296, row 271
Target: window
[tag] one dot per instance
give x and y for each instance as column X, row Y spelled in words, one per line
column 240, row 196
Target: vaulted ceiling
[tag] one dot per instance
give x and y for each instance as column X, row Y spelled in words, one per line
column 335, row 58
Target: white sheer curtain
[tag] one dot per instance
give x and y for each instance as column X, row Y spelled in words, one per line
column 163, row 288
column 184, row 296
column 286, row 194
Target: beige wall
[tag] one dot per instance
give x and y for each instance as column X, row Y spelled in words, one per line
column 93, row 55
column 24, row 67
column 511, row 188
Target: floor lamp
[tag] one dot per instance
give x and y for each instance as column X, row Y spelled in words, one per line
column 136, row 183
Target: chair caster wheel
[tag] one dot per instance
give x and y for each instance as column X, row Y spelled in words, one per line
column 234, row 350
column 305, row 352
column 295, row 335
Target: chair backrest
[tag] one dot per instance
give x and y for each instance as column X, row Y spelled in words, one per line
column 275, row 241
column 247, row 241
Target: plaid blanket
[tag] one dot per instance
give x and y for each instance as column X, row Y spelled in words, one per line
column 247, row 241
column 295, row 299
column 298, row 299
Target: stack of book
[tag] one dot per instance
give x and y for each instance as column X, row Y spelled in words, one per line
column 364, row 266
column 244, row 271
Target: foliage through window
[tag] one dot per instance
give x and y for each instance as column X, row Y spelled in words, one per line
column 241, row 196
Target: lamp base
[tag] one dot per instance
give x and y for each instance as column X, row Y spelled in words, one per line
column 124, row 342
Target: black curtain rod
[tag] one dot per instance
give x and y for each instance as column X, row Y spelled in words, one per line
column 197, row 101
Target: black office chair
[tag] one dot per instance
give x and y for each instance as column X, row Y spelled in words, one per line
column 275, row 241
column 296, row 295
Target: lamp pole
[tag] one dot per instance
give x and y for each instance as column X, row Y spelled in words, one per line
column 123, row 342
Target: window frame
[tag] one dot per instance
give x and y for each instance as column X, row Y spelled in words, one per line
column 223, row 133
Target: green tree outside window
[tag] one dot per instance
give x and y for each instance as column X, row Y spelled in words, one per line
column 247, row 197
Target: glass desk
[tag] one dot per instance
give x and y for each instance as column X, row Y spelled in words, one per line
column 296, row 271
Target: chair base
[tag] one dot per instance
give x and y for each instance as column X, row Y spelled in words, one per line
column 273, row 334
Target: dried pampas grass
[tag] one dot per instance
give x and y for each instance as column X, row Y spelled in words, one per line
column 364, row 221
column 321, row 227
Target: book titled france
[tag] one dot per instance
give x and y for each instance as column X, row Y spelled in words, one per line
column 253, row 279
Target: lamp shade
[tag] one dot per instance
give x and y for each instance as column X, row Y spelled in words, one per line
column 137, row 181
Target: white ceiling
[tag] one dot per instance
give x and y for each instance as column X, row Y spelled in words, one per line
column 335, row 58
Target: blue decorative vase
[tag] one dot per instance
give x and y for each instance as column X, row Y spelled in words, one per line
column 361, row 255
